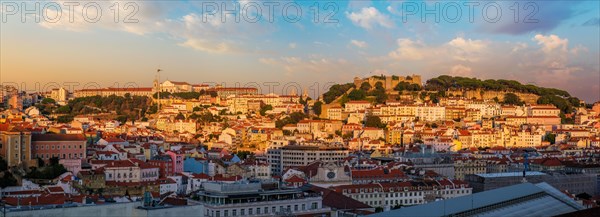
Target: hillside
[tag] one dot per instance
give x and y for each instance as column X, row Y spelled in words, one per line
column 504, row 91
column 125, row 108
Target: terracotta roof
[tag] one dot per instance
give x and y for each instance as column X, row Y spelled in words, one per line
column 55, row 189
column 337, row 200
column 57, row 137
column 295, row 179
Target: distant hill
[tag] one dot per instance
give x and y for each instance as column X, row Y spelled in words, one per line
column 560, row 98
column 508, row 91
column 445, row 82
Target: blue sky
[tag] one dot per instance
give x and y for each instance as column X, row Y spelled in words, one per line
column 559, row 47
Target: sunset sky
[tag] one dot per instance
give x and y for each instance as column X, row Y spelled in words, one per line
column 560, row 49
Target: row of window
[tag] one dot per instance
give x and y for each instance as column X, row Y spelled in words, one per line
column 258, row 210
column 64, row 156
column 57, row 147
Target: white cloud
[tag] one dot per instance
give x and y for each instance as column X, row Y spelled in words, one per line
column 519, row 46
column 133, row 17
column 551, row 42
column 203, row 32
column 369, row 17
column 461, row 70
column 360, row 44
column 292, row 45
column 409, row 50
column 312, row 64
column 467, row 45
column 466, row 49
column 458, row 48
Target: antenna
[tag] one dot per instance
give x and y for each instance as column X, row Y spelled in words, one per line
column 159, row 86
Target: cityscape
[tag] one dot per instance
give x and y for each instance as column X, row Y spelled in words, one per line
column 314, row 109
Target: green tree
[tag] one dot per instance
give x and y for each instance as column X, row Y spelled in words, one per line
column 48, row 101
column 40, row 162
column 550, row 137
column 365, row 86
column 317, row 107
column 3, row 164
column 7, row 180
column 357, row 94
column 374, row 121
column 401, row 86
column 66, row 109
column 153, row 109
column 264, row 109
column 336, row 91
column 64, row 119
column 512, row 99
column 121, row 118
column 244, row 154
column 54, row 161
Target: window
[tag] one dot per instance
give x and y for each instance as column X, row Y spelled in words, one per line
column 273, row 209
column 258, row 210
column 314, row 205
column 226, row 213
column 250, row 211
column 242, row 212
column 234, row 212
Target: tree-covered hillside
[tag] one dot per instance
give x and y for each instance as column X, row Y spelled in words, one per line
column 560, row 98
column 126, row 108
column 446, row 82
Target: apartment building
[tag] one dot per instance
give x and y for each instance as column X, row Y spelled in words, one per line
column 388, row 195
column 62, row 146
column 252, row 199
column 300, row 155
column 15, row 148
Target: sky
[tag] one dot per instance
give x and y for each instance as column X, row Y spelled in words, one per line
column 310, row 44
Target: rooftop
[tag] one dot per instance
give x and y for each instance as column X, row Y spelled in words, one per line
column 524, row 199
column 511, row 174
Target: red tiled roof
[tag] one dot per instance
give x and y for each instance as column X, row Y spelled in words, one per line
column 295, row 179
column 56, row 189
column 57, row 137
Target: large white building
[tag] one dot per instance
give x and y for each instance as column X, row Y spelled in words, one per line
column 301, row 155
column 250, row 199
column 388, row 195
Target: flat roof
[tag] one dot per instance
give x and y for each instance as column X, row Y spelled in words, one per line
column 510, row 174
column 560, row 203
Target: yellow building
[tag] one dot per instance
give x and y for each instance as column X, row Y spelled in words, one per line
column 15, row 148
column 463, row 167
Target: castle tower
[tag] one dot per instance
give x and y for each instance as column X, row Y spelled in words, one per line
column 155, row 85
column 304, row 93
column 358, row 81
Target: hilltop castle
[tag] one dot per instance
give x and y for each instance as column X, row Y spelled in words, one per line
column 389, row 82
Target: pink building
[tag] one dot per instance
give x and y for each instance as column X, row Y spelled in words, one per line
column 177, row 159
column 63, row 146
